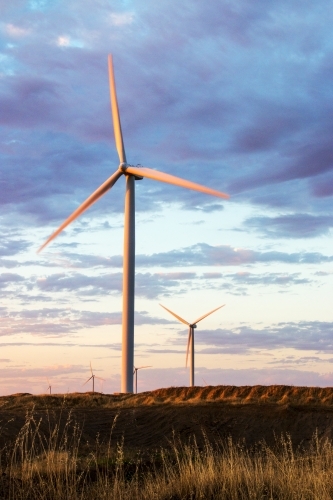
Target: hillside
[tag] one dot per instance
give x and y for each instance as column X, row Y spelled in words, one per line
column 150, row 420
column 259, row 394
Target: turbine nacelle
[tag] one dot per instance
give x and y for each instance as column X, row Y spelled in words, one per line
column 124, row 166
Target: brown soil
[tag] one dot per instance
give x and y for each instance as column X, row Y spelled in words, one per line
column 149, row 420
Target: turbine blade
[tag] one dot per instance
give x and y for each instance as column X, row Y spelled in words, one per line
column 87, row 381
column 91, row 368
column 140, row 367
column 99, row 378
column 188, row 344
column 176, row 316
column 205, row 315
column 171, row 179
column 86, row 204
column 115, row 114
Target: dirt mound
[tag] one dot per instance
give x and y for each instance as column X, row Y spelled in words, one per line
column 275, row 394
column 259, row 394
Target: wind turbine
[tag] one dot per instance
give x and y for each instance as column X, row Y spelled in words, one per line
column 190, row 339
column 93, row 378
column 49, row 387
column 132, row 174
column 135, row 373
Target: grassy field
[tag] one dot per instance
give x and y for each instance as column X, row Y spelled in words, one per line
column 58, row 464
column 258, row 394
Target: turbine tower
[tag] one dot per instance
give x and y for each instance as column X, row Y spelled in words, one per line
column 131, row 174
column 135, row 373
column 190, row 339
column 93, row 378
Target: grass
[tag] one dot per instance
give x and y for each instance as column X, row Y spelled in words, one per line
column 274, row 394
column 58, row 465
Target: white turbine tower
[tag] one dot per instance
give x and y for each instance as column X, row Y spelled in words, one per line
column 131, row 174
column 135, row 373
column 93, row 378
column 190, row 339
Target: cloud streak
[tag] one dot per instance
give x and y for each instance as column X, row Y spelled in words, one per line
column 304, row 336
column 202, row 254
column 60, row 322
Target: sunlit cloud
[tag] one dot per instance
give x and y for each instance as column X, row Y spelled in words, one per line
column 67, row 41
column 16, row 31
column 122, row 18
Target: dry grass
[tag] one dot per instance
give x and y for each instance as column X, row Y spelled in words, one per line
column 52, row 466
column 274, row 394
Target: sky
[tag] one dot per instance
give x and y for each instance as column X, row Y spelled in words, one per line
column 235, row 95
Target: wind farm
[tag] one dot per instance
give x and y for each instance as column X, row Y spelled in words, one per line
column 132, row 174
column 104, row 394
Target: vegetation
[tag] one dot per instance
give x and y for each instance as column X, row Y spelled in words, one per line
column 258, row 394
column 58, row 465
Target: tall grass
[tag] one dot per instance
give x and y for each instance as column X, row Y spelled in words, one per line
column 58, row 465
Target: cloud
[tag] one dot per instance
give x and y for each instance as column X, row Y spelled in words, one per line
column 149, row 285
column 9, row 264
column 10, row 247
column 304, row 336
column 196, row 112
column 50, row 371
column 246, row 278
column 198, row 255
column 80, row 283
column 39, row 96
column 68, row 41
column 60, row 322
column 7, row 279
column 291, row 225
column 304, row 360
column 122, row 18
column 203, row 254
column 16, row 31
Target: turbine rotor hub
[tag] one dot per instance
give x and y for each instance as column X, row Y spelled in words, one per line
column 124, row 166
column 193, row 326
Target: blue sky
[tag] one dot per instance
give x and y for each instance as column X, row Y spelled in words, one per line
column 234, row 95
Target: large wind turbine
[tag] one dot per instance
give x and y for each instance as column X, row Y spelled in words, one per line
column 190, row 339
column 131, row 173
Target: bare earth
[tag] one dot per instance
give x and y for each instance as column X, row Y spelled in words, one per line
column 149, row 420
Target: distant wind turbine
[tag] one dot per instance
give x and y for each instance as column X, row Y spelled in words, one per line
column 49, row 387
column 135, row 373
column 190, row 339
column 93, row 378
column 131, row 173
